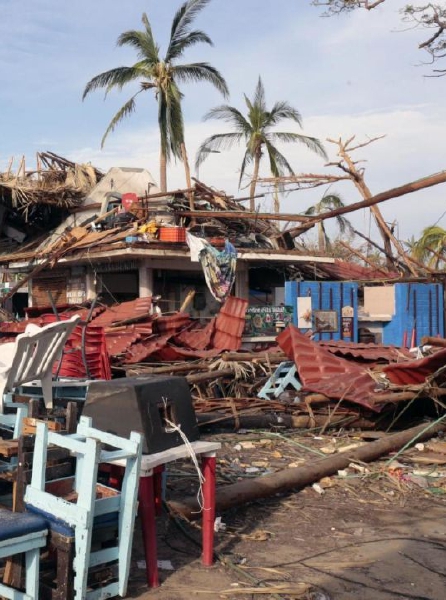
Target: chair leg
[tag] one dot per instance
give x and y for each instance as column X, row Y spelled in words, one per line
column 47, row 390
column 32, row 559
column 126, row 522
column 81, row 560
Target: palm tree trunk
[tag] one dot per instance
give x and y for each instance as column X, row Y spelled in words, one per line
column 163, row 170
column 321, row 237
column 252, row 190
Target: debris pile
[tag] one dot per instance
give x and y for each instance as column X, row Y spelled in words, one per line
column 295, row 382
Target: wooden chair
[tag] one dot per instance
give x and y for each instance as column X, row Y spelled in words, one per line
column 32, row 356
column 22, row 534
column 74, row 506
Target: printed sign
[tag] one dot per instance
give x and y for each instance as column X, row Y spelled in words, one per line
column 266, row 320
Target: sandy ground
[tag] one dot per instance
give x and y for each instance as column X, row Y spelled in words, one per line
column 372, row 535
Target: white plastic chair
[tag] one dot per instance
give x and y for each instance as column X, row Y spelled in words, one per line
column 32, row 356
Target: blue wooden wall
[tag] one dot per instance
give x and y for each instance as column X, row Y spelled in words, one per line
column 325, row 295
column 419, row 311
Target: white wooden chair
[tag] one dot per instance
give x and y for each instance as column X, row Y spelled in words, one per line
column 32, row 356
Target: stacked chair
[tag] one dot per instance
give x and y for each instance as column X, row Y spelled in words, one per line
column 89, row 525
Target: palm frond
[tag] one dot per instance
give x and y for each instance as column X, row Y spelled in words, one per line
column 183, row 19
column 201, row 72
column 311, row 143
column 175, row 122
column 281, row 111
column 259, row 96
column 247, row 160
column 124, row 111
column 231, row 115
column 114, row 78
column 188, row 40
column 216, row 143
column 142, row 42
column 278, row 163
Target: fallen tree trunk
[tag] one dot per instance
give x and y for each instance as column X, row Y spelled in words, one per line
column 402, row 190
column 267, row 420
column 297, row 478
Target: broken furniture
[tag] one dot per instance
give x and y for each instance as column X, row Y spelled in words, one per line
column 161, row 408
column 22, row 533
column 73, row 506
column 283, row 376
column 32, row 356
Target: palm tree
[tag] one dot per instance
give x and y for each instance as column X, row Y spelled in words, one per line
column 430, row 248
column 162, row 75
column 256, row 130
column 328, row 202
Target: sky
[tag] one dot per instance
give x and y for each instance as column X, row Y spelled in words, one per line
column 358, row 74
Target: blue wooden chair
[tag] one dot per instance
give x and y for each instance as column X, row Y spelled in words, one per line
column 22, row 533
column 90, row 503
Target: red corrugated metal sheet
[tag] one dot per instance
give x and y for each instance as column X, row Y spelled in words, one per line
column 124, row 311
column 118, row 342
column 171, row 323
column 347, row 271
column 321, row 372
column 366, row 352
column 140, row 352
column 174, row 353
column 230, row 324
column 416, row 371
column 197, row 339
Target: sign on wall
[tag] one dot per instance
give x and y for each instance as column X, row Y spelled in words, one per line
column 265, row 320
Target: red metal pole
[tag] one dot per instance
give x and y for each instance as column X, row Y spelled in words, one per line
column 208, row 468
column 148, row 526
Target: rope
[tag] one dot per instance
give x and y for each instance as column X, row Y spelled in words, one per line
column 173, row 427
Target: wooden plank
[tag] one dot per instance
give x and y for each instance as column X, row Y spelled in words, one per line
column 9, row 447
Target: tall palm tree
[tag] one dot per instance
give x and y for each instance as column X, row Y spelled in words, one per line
column 256, row 130
column 162, row 75
column 430, row 249
column 328, row 202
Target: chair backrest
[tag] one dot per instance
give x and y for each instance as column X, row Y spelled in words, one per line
column 37, row 350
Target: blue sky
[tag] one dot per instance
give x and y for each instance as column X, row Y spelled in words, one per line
column 355, row 74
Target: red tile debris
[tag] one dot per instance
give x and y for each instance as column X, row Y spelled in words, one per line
column 230, row 324
column 321, row 372
column 416, row 371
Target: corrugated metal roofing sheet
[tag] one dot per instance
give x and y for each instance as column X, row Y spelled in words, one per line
column 230, row 324
column 366, row 352
column 171, row 323
column 416, row 371
column 348, row 271
column 197, row 339
column 321, row 372
column 124, row 311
